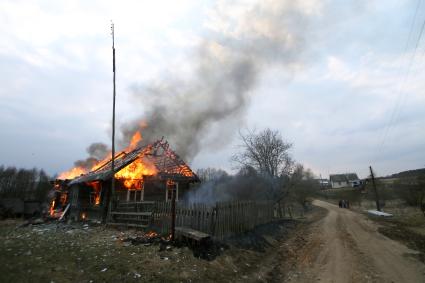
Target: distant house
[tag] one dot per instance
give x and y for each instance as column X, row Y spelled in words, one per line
column 324, row 183
column 344, row 180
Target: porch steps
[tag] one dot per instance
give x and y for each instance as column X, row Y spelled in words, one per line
column 132, row 214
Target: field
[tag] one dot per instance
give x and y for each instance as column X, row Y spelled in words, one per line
column 77, row 253
column 286, row 250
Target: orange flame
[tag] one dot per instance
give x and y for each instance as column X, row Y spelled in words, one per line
column 96, row 191
column 151, row 234
column 71, row 174
column 52, row 208
column 137, row 137
column 78, row 171
column 132, row 175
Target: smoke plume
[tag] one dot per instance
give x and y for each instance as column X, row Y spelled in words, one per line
column 247, row 184
column 97, row 152
column 241, row 43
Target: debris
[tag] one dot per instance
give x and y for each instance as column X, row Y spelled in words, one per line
column 64, row 212
column 137, row 275
column 103, row 270
column 379, row 213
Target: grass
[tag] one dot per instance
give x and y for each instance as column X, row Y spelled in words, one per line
column 95, row 255
column 57, row 253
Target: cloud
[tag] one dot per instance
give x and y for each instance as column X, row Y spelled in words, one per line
column 343, row 67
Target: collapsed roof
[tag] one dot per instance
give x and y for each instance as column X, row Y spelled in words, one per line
column 168, row 164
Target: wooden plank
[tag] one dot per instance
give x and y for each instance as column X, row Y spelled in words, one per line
column 192, row 233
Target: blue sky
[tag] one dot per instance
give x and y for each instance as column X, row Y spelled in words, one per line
column 334, row 103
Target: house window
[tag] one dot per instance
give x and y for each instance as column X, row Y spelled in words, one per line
column 136, row 195
column 172, row 188
column 96, row 192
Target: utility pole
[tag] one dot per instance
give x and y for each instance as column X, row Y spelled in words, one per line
column 378, row 206
column 110, row 194
column 113, row 120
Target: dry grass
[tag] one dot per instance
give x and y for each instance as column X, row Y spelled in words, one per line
column 56, row 253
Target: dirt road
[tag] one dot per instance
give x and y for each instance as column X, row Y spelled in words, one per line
column 345, row 246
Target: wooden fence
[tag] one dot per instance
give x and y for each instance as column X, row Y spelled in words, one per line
column 221, row 220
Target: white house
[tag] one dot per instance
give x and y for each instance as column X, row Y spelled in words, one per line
column 344, row 180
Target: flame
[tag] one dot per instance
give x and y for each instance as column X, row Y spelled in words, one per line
column 71, row 174
column 96, row 191
column 137, row 137
column 132, row 175
column 151, row 234
column 102, row 162
column 52, row 208
column 83, row 216
column 78, row 171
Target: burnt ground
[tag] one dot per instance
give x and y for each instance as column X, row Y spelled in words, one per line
column 77, row 253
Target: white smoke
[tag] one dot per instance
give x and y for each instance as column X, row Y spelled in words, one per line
column 243, row 39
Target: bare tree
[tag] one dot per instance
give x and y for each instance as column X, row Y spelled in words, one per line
column 210, row 174
column 265, row 151
column 26, row 184
column 304, row 186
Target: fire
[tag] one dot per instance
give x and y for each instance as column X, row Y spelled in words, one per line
column 83, row 216
column 185, row 170
column 133, row 173
column 52, row 208
column 96, row 191
column 102, row 162
column 151, row 234
column 132, row 176
column 71, row 174
column 78, row 171
column 137, row 137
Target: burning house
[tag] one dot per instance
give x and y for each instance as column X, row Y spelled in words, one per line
column 149, row 173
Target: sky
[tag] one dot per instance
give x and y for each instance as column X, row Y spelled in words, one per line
column 346, row 88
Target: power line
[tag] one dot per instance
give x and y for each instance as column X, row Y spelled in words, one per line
column 397, row 107
column 404, row 97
